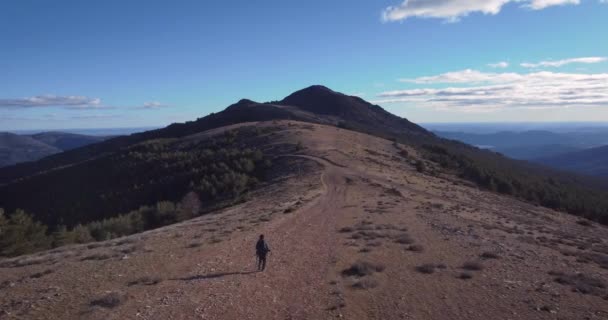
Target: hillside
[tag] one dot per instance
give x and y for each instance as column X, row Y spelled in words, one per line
column 67, row 141
column 25, row 148
column 16, row 148
column 358, row 229
column 129, row 173
column 592, row 161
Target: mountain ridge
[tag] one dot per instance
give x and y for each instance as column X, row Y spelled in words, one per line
column 295, row 106
column 592, row 161
column 17, row 148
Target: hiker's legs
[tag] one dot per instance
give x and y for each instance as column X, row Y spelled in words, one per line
column 259, row 262
column 263, row 260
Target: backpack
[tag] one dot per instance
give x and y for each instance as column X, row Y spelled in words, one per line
column 261, row 248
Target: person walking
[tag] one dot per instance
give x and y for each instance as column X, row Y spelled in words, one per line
column 261, row 251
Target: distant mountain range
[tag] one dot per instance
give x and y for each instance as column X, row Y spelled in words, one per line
column 533, row 144
column 15, row 148
column 584, row 151
column 593, row 161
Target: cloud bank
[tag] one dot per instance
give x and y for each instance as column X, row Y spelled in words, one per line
column 69, row 102
column 453, row 10
column 559, row 63
column 487, row 92
column 51, row 101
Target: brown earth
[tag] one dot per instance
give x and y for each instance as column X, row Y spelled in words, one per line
column 356, row 233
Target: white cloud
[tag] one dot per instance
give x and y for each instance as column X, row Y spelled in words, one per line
column 541, row 4
column 501, row 64
column 153, row 105
column 559, row 63
column 51, row 101
column 488, row 92
column 465, row 76
column 69, row 102
column 453, row 10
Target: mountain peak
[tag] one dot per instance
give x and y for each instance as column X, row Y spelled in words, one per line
column 317, row 88
column 319, row 99
column 241, row 103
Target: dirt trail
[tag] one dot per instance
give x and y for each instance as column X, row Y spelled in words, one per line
column 295, row 284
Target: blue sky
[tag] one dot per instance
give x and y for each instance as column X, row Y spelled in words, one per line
column 88, row 64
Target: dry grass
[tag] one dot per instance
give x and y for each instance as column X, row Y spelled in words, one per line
column 41, row 274
column 97, row 256
column 365, row 283
column 426, row 268
column 585, row 223
column 472, row 266
column 404, row 239
column 580, row 282
column 362, row 269
column 415, row 248
column 465, row 276
column 146, row 280
column 346, row 230
column 110, row 300
column 489, row 255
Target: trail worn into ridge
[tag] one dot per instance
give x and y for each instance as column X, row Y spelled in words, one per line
column 295, row 284
column 355, row 232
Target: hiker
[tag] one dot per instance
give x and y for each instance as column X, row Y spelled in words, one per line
column 261, row 250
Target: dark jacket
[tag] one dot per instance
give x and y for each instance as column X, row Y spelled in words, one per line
column 261, row 248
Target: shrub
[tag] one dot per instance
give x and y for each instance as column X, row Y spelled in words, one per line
column 145, row 280
column 110, row 300
column 465, row 276
column 404, row 239
column 584, row 222
column 420, row 166
column 21, row 234
column 580, row 283
column 489, row 255
column 365, row 283
column 346, row 229
column 426, row 268
column 362, row 269
column 472, row 265
column 415, row 248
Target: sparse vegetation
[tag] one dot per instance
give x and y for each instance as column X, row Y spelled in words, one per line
column 41, row 274
column 472, row 266
column 415, row 248
column 426, row 268
column 97, row 256
column 489, row 255
column 362, row 269
column 580, row 283
column 535, row 184
column 346, row 230
column 110, row 300
column 584, row 222
column 465, row 276
column 404, row 239
column 365, row 283
column 420, row 166
column 145, row 280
